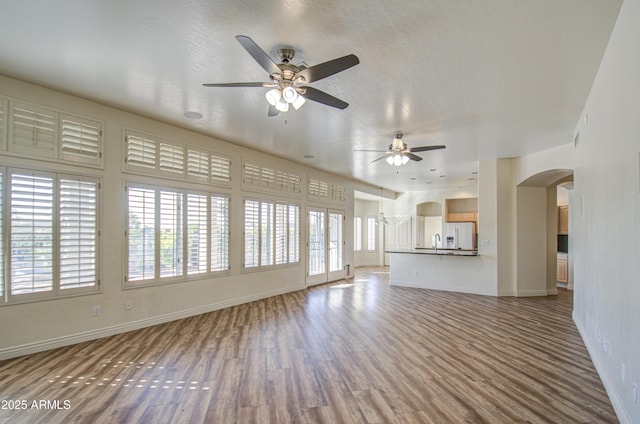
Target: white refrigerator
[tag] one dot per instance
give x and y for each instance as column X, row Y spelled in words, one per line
column 459, row 235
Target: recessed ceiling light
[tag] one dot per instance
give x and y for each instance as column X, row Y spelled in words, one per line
column 474, row 173
column 309, row 156
column 471, row 179
column 428, row 182
column 413, row 178
column 442, row 176
column 190, row 114
column 433, row 170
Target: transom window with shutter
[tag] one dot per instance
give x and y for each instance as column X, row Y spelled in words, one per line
column 35, row 131
column 325, row 191
column 80, row 140
column 271, row 233
column 151, row 155
column 264, row 179
column 175, row 234
column 52, row 231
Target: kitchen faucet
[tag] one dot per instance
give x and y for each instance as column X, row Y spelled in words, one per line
column 436, row 237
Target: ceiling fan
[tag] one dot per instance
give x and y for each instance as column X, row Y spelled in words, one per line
column 399, row 153
column 287, row 81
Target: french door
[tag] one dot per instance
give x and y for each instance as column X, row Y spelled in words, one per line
column 325, row 241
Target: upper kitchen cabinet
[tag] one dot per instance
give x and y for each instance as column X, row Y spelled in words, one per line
column 462, row 210
column 563, row 219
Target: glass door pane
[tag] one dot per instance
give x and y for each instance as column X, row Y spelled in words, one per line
column 316, row 243
column 335, row 241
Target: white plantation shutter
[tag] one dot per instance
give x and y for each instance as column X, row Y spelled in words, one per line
column 220, row 168
column 32, row 239
column 197, row 234
column 314, row 188
column 170, row 234
column 78, row 233
column 197, row 165
column 294, row 233
column 141, row 233
column 287, row 182
column 251, row 233
column 141, row 153
column 281, row 236
column 33, row 130
column 80, row 140
column 219, row 233
column 171, row 159
column 250, row 176
column 338, row 192
column 266, row 233
column 294, row 184
column 268, row 179
column 271, row 233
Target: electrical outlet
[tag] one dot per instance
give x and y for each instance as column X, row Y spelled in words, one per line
column 415, row 273
column 96, row 311
column 128, row 305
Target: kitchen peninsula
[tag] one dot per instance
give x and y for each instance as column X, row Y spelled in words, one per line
column 442, row 269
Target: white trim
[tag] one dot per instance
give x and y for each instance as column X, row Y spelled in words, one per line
column 85, row 336
column 531, row 293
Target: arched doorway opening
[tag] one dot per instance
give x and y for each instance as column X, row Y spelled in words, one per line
column 537, row 218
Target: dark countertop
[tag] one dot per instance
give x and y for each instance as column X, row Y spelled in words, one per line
column 439, row 252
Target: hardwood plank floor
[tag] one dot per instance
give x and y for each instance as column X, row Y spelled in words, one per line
column 354, row 351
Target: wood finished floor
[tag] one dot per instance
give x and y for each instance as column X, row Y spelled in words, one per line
column 352, row 351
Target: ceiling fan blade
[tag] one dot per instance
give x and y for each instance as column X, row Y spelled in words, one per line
column 329, row 68
column 412, row 156
column 425, row 148
column 324, row 98
column 237, row 84
column 380, row 158
column 258, row 54
column 368, row 150
column 272, row 111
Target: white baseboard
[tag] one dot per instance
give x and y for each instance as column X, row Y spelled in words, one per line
column 531, row 293
column 609, row 387
column 40, row 346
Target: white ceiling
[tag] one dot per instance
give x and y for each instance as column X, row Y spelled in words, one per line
column 487, row 78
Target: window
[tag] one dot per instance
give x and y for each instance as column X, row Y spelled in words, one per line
column 36, row 131
column 146, row 154
column 371, row 233
column 357, row 233
column 271, row 233
column 52, row 227
column 167, row 225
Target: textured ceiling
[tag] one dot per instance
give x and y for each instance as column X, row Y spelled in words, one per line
column 486, row 78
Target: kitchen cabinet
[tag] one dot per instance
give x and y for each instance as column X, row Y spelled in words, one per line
column 563, row 220
column 563, row 268
column 462, row 217
column 462, row 210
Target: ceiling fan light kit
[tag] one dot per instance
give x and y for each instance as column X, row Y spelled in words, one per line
column 399, row 153
column 286, row 79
